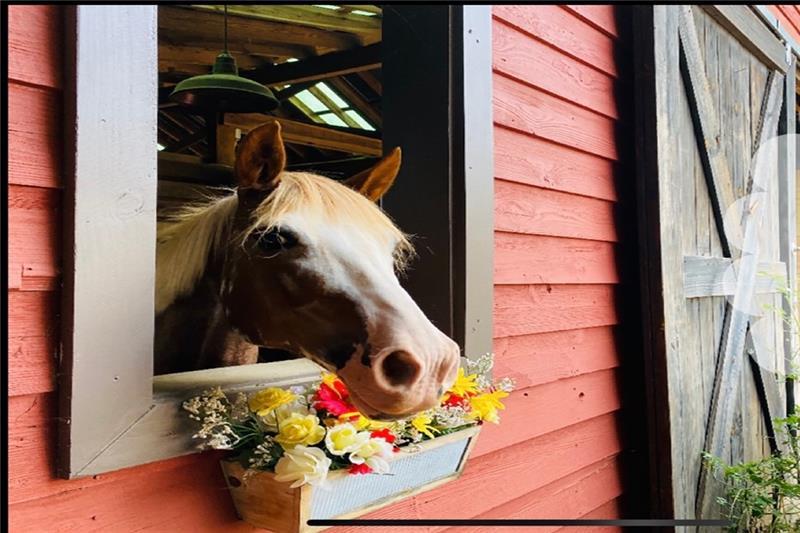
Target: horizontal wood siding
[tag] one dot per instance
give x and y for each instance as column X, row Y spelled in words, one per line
column 556, row 273
column 789, row 17
column 556, row 452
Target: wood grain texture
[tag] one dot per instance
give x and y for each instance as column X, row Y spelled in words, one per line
column 523, row 108
column 544, row 408
column 34, row 136
column 545, row 357
column 34, row 45
column 568, row 78
column 536, row 161
column 189, row 496
column 32, row 339
column 564, row 31
column 601, row 17
column 523, row 310
column 572, row 496
column 534, row 259
column 541, row 461
column 554, row 451
column 788, row 17
column 535, row 211
column 34, row 239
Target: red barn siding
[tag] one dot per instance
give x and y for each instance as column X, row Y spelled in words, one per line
column 557, row 451
column 789, row 17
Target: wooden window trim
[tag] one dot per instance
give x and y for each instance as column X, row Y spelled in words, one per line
column 113, row 412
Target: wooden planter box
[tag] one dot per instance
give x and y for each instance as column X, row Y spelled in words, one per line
column 263, row 502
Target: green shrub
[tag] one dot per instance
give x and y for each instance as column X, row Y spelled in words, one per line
column 763, row 495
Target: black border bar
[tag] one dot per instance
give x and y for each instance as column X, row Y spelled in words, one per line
column 631, row 522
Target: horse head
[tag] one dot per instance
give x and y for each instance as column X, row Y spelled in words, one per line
column 312, row 269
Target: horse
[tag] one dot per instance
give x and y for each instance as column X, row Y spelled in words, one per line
column 299, row 262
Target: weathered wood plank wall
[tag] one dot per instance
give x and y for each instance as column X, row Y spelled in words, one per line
column 557, row 451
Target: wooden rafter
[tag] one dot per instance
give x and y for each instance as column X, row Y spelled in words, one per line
column 320, row 67
column 247, row 56
column 185, row 24
column 372, row 80
column 367, row 29
column 327, row 138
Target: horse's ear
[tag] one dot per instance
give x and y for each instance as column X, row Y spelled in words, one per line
column 374, row 182
column 260, row 158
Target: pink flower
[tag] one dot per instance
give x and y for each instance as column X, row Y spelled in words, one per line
column 331, row 400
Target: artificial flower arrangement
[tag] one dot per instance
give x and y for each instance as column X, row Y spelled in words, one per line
column 304, row 432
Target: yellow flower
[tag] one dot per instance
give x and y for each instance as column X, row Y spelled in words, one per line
column 363, row 422
column 345, row 438
column 484, row 406
column 375, row 453
column 266, row 400
column 329, row 379
column 299, row 429
column 464, row 384
column 422, row 422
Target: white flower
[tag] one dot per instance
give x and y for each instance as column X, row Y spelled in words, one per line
column 374, row 452
column 452, row 417
column 265, row 453
column 301, row 465
column 345, row 438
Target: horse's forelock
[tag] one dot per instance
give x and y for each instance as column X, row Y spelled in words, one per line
column 327, row 201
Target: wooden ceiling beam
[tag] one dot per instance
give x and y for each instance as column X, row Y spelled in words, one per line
column 318, row 67
column 238, row 47
column 369, row 8
column 175, row 56
column 186, row 142
column 367, row 29
column 189, row 24
column 327, row 138
column 372, row 80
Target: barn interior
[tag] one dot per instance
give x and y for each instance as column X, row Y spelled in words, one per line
column 321, row 62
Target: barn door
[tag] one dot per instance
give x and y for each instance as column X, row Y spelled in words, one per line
column 716, row 241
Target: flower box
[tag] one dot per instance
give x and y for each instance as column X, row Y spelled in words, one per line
column 266, row 503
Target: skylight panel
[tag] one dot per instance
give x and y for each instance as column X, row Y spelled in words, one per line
column 332, row 119
column 330, row 93
column 359, row 119
column 311, row 102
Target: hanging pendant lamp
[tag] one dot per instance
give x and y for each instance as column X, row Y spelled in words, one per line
column 223, row 90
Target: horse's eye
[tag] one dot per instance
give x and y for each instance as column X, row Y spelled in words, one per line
column 276, row 240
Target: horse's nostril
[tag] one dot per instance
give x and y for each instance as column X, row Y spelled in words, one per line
column 400, row 368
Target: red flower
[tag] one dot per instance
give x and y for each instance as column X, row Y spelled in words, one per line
column 384, row 433
column 363, row 468
column 454, row 400
column 341, row 389
column 332, row 401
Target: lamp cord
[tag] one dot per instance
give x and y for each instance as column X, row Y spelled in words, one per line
column 225, row 18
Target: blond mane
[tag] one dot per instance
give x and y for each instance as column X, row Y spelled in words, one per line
column 187, row 239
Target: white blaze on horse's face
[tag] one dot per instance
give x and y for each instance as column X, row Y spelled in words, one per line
column 405, row 362
column 316, row 275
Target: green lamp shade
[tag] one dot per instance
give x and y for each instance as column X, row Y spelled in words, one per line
column 224, row 90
